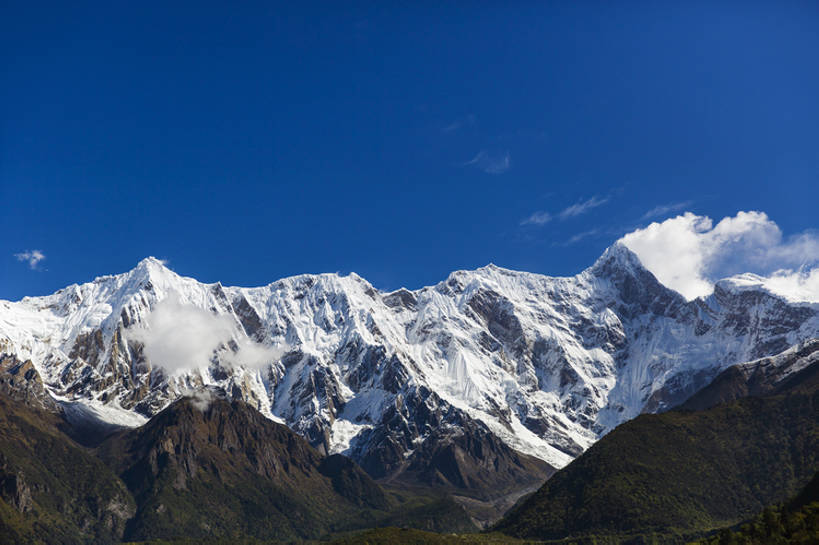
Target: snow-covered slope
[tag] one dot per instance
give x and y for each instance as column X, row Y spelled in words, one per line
column 545, row 364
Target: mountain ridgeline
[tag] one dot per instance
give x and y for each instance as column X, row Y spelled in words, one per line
column 533, row 368
column 327, row 405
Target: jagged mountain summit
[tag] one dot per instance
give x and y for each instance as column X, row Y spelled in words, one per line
column 488, row 369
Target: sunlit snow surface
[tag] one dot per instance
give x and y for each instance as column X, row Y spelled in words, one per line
column 547, row 364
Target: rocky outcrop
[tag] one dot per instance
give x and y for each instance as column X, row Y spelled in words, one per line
column 13, row 488
column 21, row 381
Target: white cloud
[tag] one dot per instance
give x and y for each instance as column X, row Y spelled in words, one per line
column 580, row 236
column 664, row 209
column 33, row 257
column 538, row 218
column 689, row 253
column 467, row 121
column 541, row 217
column 491, row 163
column 179, row 337
column 201, row 400
column 796, row 286
column 582, row 207
column 454, row 126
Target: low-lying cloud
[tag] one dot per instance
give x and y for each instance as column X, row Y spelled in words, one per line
column 201, row 400
column 689, row 253
column 179, row 337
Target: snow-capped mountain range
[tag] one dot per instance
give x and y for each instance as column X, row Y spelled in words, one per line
column 546, row 365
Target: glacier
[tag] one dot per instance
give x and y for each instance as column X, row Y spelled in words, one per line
column 547, row 365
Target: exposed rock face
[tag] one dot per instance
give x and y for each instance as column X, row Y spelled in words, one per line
column 794, row 369
column 207, row 467
column 13, row 488
column 187, row 435
column 21, row 381
column 510, row 363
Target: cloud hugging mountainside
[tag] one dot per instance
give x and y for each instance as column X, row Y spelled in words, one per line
column 489, row 368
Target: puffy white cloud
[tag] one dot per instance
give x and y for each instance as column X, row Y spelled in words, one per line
column 689, row 253
column 179, row 337
column 32, row 257
column 795, row 285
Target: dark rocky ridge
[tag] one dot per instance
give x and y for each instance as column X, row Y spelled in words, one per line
column 207, row 466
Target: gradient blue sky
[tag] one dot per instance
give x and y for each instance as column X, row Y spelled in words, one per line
column 246, row 143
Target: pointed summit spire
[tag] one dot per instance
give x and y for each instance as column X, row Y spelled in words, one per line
column 152, row 261
column 154, row 272
column 617, row 258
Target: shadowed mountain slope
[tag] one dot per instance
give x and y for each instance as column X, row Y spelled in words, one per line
column 795, row 522
column 679, row 473
column 210, row 467
column 52, row 490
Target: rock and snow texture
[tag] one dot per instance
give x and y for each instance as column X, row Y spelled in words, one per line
column 547, row 365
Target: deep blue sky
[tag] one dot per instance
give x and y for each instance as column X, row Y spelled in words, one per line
column 244, row 144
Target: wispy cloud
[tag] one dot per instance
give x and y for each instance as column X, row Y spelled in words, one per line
column 541, row 217
column 32, row 257
column 580, row 236
column 466, row 121
column 582, row 207
column 538, row 218
column 664, row 209
column 491, row 163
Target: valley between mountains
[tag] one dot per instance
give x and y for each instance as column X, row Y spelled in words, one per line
column 147, row 405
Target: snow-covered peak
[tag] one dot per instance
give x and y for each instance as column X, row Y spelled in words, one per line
column 546, row 364
column 617, row 260
column 150, row 268
column 151, row 262
column 153, row 273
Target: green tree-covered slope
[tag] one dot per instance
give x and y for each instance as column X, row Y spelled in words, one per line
column 679, row 473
